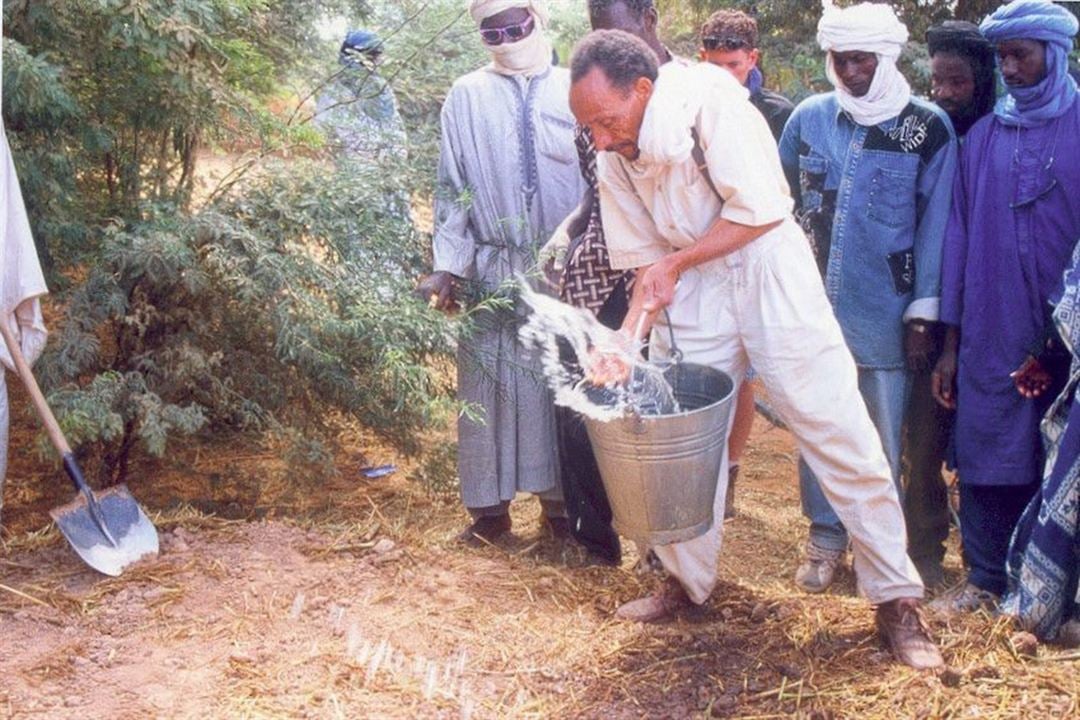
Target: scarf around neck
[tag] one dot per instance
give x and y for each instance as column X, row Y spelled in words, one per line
column 677, row 99
column 1055, row 27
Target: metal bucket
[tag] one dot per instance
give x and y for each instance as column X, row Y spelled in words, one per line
column 660, row 472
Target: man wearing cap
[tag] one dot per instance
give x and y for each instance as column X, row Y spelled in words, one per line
column 359, row 115
column 358, row 108
column 962, row 84
column 1015, row 220
column 508, row 175
column 871, row 168
column 694, row 198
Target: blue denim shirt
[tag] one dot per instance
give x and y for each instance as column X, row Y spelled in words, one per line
column 874, row 202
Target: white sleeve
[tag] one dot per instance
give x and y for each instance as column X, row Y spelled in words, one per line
column 743, row 162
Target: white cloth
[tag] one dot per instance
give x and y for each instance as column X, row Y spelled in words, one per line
column 21, row 285
column 679, row 94
column 529, row 56
column 873, row 28
column 648, row 209
column 764, row 305
column 21, row 279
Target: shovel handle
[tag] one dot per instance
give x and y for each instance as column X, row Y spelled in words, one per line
column 52, row 427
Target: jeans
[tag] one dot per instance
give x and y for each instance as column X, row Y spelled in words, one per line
column 885, row 393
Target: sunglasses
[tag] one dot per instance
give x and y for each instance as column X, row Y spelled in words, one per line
column 508, row 34
column 726, row 43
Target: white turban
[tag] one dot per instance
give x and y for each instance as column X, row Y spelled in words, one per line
column 529, row 56
column 483, row 9
column 873, row 28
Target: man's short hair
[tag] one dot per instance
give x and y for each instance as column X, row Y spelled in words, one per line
column 638, row 7
column 732, row 24
column 621, row 56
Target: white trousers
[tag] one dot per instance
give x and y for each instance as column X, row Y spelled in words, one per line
column 764, row 305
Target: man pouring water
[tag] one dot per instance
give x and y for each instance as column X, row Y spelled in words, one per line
column 694, row 198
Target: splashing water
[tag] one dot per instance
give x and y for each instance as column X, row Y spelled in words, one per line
column 567, row 363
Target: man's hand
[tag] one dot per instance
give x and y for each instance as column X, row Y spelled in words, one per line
column 606, row 368
column 1031, row 378
column 437, row 289
column 612, row 364
column 918, row 346
column 658, row 283
column 943, row 379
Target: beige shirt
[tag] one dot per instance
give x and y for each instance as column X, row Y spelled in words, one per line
column 650, row 211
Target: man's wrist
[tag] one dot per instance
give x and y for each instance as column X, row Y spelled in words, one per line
column 676, row 263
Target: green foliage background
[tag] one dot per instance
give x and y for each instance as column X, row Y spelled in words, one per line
column 274, row 304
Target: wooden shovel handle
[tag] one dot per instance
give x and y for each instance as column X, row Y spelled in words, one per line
column 51, row 426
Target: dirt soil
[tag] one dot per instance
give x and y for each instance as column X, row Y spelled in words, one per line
column 351, row 599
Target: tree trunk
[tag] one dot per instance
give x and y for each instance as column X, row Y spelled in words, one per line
column 161, row 175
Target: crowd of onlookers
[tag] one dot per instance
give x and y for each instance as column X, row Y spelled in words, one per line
column 887, row 265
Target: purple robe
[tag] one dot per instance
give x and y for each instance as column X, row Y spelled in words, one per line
column 1015, row 220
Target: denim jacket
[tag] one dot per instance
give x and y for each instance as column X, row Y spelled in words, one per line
column 874, row 202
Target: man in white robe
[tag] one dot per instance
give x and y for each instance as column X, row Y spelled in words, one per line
column 21, row 285
column 694, row 198
column 508, row 175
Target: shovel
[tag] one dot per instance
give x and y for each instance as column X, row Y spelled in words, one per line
column 107, row 529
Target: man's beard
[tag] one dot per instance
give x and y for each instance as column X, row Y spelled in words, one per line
column 963, row 119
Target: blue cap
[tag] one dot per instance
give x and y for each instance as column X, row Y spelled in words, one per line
column 362, row 41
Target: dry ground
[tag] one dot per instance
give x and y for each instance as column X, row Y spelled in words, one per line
column 350, row 599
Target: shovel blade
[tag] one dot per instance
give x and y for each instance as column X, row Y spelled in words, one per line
column 135, row 535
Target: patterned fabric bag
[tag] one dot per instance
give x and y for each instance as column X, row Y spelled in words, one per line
column 588, row 278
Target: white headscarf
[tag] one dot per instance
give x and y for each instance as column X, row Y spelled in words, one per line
column 874, row 28
column 529, row 56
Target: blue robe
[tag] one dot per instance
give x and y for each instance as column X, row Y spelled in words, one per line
column 1043, row 571
column 1014, row 222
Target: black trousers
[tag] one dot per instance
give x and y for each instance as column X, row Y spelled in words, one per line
column 988, row 516
column 587, row 506
column 928, row 427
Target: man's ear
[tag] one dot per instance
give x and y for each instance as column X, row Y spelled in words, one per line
column 702, row 55
column 650, row 20
column 755, row 55
column 643, row 87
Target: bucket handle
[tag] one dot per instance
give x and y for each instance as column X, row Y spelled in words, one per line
column 674, row 353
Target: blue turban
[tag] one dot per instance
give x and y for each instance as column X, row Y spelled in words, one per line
column 359, row 42
column 1053, row 25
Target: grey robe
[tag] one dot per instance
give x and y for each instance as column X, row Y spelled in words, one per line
column 508, row 175
column 360, row 114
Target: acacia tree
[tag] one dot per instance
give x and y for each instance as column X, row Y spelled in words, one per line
column 281, row 308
